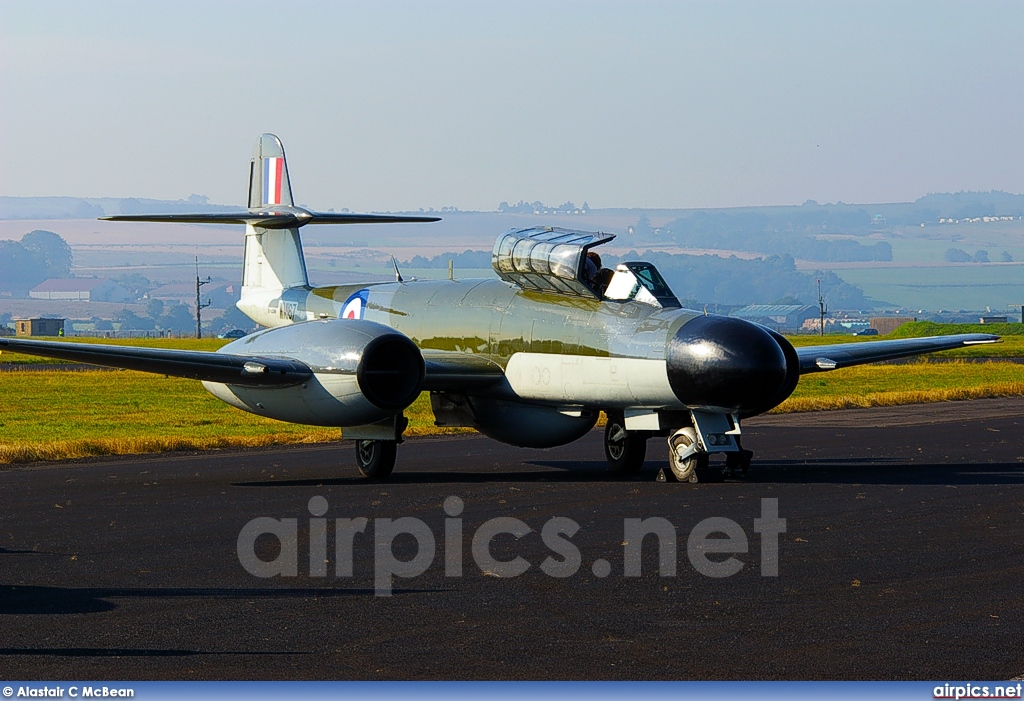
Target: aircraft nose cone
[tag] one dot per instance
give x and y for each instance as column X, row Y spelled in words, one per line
column 720, row 363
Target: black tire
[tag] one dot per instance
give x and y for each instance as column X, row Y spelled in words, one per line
column 376, row 459
column 624, row 450
column 699, row 472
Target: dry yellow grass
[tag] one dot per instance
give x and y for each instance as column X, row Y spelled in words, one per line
column 91, row 447
column 795, row 404
column 50, row 415
column 58, row 415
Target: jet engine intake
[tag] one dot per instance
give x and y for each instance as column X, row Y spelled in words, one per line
column 724, row 364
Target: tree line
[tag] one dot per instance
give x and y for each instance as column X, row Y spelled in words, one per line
column 39, row 255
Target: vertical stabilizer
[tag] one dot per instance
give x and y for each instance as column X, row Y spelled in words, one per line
column 273, row 257
column 268, row 174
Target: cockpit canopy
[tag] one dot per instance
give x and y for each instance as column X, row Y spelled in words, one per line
column 640, row 282
column 549, row 259
column 546, row 259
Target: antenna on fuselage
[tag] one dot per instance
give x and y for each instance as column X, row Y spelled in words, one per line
column 398, row 275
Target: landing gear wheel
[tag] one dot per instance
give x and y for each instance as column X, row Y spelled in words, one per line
column 624, row 450
column 694, row 467
column 376, row 459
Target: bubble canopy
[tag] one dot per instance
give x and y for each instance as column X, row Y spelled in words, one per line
column 547, row 259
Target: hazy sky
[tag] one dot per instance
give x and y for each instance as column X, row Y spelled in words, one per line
column 401, row 105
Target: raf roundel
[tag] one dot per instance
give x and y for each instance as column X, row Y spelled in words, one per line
column 355, row 305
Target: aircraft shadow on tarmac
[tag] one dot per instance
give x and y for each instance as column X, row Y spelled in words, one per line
column 558, row 471
column 22, row 600
column 858, row 471
column 817, row 471
column 126, row 652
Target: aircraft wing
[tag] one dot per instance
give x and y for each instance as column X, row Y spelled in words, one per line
column 199, row 365
column 444, row 370
column 842, row 355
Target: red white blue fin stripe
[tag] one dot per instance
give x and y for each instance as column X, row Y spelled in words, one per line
column 272, row 175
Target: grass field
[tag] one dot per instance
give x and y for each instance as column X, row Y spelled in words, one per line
column 1011, row 346
column 911, row 383
column 952, row 287
column 205, row 344
column 51, row 415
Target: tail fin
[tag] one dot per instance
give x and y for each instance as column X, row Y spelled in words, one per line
column 273, row 250
column 273, row 256
column 268, row 175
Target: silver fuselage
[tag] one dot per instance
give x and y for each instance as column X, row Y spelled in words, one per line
column 553, row 348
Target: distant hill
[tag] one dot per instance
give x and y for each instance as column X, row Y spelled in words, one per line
column 92, row 207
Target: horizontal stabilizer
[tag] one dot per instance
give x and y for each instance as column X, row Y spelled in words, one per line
column 286, row 218
column 271, row 205
column 254, row 371
column 843, row 355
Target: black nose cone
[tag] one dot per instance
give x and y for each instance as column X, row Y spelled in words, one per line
column 720, row 363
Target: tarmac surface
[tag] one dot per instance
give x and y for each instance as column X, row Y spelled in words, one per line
column 902, row 559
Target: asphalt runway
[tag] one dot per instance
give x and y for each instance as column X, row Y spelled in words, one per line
column 902, row 559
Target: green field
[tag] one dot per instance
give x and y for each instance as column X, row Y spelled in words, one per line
column 949, row 287
column 59, row 414
column 55, row 414
column 1011, row 345
column 205, row 344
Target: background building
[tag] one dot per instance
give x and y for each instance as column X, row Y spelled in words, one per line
column 782, row 317
column 39, row 327
column 80, row 289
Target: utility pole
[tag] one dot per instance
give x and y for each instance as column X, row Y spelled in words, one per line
column 199, row 304
column 822, row 311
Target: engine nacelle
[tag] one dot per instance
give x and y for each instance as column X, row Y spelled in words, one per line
column 363, row 372
column 515, row 423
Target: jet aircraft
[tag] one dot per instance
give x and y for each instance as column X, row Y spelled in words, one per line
column 529, row 357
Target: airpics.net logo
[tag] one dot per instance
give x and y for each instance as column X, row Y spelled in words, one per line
column 711, row 545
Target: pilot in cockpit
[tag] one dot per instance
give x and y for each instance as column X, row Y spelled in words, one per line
column 596, row 276
column 591, row 266
column 604, row 276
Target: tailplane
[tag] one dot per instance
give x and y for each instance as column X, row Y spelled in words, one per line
column 273, row 249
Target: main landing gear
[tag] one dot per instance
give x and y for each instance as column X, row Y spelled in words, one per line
column 376, row 459
column 377, row 446
column 624, row 450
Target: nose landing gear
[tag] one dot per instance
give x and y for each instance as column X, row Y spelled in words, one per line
column 686, row 460
column 690, row 446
